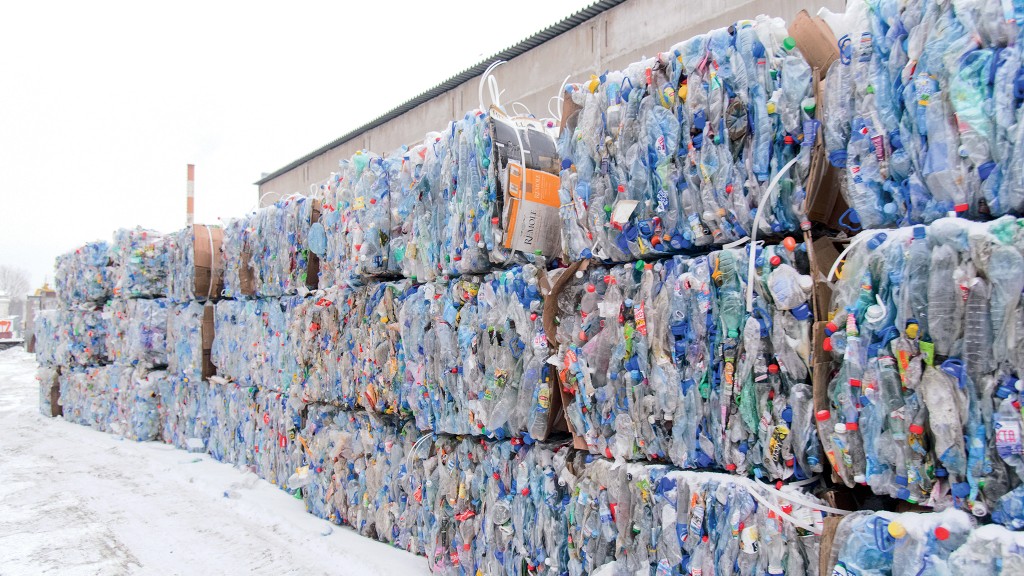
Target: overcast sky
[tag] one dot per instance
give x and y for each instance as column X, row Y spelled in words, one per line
column 102, row 104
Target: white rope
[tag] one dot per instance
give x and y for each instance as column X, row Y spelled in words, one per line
column 753, row 232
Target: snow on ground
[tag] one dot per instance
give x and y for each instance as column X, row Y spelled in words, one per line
column 77, row 501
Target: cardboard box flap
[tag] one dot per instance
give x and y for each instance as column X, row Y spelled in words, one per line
column 815, row 40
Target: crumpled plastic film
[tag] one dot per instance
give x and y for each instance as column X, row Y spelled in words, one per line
column 944, row 542
column 85, row 275
column 185, row 338
column 646, row 516
column 137, row 331
column 925, row 336
column 921, row 111
column 142, row 261
column 676, row 152
column 661, row 361
column 474, row 355
column 49, row 391
column 184, row 417
column 51, row 349
column 83, row 333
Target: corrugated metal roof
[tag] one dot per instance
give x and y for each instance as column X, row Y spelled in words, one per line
column 466, row 75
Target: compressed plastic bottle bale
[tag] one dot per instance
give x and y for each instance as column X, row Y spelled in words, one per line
column 641, row 517
column 320, row 333
column 376, row 353
column 185, row 338
column 49, row 391
column 232, row 422
column 277, row 247
column 908, row 543
column 475, row 355
column 137, row 331
column 142, row 260
column 662, row 361
column 138, row 400
column 196, row 268
column 83, row 335
column 676, row 152
column 80, row 390
column 923, row 323
column 927, row 124
column 236, row 255
column 184, row 416
column 51, row 348
column 314, row 475
column 275, row 450
column 85, row 275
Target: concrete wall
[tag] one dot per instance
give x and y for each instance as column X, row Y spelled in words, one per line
column 610, row 41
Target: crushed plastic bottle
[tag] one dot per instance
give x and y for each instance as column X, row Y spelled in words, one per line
column 85, row 275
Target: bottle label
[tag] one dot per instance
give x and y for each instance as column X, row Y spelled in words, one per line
column 1008, row 441
column 641, row 320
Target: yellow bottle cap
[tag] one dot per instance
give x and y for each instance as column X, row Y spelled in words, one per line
column 896, row 530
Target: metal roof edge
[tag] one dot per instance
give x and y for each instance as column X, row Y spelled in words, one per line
column 549, row 33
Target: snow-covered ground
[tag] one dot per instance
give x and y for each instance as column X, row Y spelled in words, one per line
column 77, row 501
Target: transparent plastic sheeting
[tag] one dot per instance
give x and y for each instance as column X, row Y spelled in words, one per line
column 75, row 336
column 927, row 333
column 494, row 507
column 48, row 379
column 922, row 110
column 442, row 207
column 270, row 244
column 122, row 400
column 251, row 342
column 676, row 152
column 924, row 543
column 143, row 262
column 475, row 353
column 349, row 345
column 85, row 275
column 185, row 338
column 662, row 361
column 137, row 331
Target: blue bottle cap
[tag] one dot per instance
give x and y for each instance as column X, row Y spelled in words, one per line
column 940, row 472
column 787, row 415
column 802, row 312
column 586, row 254
column 903, row 494
column 837, row 158
column 920, row 232
column 901, row 480
column 566, row 163
column 894, row 139
column 985, row 170
column 961, row 489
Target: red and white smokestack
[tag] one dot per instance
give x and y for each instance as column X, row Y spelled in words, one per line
column 190, row 189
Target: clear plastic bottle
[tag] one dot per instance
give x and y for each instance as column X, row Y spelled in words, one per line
column 944, row 301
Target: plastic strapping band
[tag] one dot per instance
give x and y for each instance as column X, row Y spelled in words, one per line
column 757, row 220
column 798, row 500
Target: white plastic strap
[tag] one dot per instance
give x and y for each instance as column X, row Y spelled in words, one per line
column 753, row 231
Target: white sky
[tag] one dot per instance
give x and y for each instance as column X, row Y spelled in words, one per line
column 102, row 104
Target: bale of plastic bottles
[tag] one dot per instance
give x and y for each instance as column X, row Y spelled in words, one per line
column 251, row 343
column 142, row 260
column 925, row 336
column 195, row 269
column 265, row 254
column 115, row 398
column 85, row 275
column 474, row 352
column 51, row 351
column 231, row 422
column 666, row 361
column 184, row 417
column 349, row 346
column 190, row 339
column 945, row 542
column 676, row 152
column 137, row 331
column 83, row 332
column 921, row 111
column 276, row 452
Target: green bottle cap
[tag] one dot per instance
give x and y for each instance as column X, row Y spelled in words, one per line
column 789, row 43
